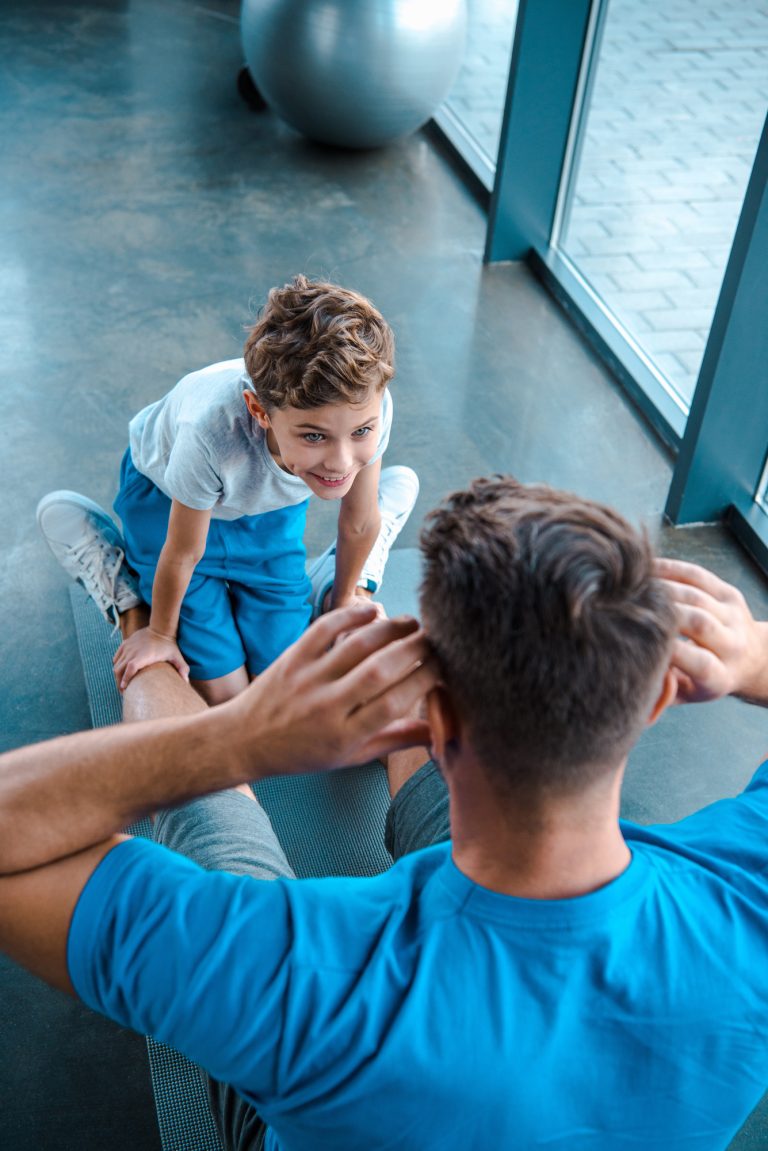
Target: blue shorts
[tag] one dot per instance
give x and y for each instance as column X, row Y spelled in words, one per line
column 248, row 598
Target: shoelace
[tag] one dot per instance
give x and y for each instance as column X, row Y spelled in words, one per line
column 97, row 557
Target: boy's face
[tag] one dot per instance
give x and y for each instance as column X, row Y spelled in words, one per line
column 326, row 447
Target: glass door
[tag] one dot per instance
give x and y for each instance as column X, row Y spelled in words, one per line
column 471, row 115
column 674, row 104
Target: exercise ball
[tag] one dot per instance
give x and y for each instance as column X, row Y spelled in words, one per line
column 355, row 73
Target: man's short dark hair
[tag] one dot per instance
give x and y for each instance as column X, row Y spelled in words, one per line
column 551, row 630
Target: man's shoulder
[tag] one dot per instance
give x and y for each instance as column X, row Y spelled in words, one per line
column 727, row 838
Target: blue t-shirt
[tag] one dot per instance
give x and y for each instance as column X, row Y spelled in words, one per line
column 417, row 1010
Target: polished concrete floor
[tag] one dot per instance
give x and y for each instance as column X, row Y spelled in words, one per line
column 144, row 213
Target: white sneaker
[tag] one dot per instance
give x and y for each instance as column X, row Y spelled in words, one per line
column 88, row 545
column 321, row 575
column 398, row 490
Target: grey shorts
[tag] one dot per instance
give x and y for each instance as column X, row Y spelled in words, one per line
column 228, row 831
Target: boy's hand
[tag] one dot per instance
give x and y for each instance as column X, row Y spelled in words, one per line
column 362, row 596
column 359, row 597
column 724, row 650
column 143, row 648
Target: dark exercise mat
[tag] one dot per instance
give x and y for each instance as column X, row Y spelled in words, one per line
column 328, row 824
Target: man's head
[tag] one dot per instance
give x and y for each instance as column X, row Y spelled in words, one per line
column 552, row 633
column 317, row 344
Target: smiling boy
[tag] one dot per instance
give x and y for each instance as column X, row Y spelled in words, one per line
column 215, row 485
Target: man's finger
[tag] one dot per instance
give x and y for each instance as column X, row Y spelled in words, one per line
column 326, row 630
column 683, row 593
column 702, row 627
column 382, row 671
column 397, row 702
column 682, row 572
column 686, row 689
column 367, row 641
column 397, row 736
column 697, row 664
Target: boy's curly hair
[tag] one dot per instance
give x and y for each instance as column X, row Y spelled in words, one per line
column 316, row 343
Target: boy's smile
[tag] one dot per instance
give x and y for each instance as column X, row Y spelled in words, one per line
column 326, row 446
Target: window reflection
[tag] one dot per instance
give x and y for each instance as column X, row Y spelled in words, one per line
column 475, row 104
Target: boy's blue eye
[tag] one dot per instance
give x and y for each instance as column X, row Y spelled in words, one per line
column 361, row 433
column 313, row 437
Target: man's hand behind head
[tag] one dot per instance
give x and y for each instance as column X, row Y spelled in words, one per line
column 723, row 650
column 325, row 704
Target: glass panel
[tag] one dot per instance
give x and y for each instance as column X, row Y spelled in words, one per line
column 677, row 104
column 476, row 101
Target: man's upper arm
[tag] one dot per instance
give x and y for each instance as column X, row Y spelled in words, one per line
column 198, row 959
column 729, row 836
column 36, row 909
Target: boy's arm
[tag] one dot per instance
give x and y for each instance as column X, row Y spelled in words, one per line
column 182, row 551
column 359, row 523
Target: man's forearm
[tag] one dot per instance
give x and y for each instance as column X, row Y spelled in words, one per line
column 65, row 795
column 320, row 705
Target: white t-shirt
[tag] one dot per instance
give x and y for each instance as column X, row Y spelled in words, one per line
column 201, row 446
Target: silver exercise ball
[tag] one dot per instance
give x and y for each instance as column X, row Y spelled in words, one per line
column 356, row 73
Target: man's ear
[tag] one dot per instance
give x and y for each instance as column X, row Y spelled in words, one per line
column 443, row 723
column 666, row 697
column 257, row 410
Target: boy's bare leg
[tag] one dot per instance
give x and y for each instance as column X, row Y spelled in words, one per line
column 211, row 691
column 158, row 692
column 225, row 687
column 134, row 619
column 154, row 693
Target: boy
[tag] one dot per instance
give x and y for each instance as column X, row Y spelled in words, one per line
column 214, row 491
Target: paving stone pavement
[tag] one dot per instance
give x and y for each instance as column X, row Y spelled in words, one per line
column 678, row 103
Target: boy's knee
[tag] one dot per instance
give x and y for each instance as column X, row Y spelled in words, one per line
column 215, row 691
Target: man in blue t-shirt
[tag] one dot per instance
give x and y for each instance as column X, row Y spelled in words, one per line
column 550, row 976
